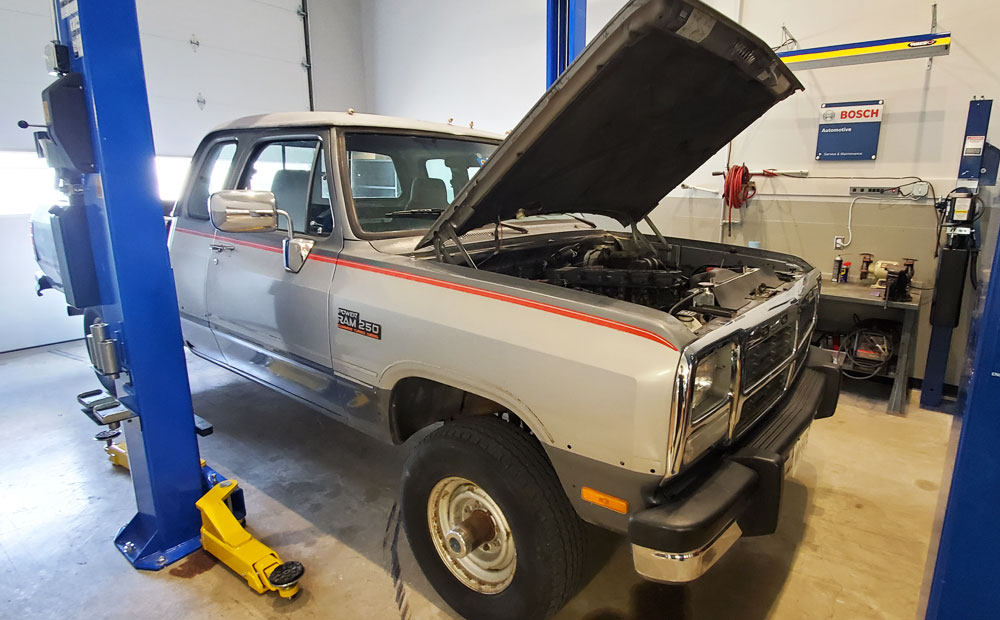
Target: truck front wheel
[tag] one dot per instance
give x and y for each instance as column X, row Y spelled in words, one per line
column 489, row 523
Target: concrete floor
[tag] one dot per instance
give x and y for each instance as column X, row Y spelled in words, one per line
column 852, row 543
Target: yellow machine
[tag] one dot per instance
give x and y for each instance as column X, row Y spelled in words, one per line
column 224, row 536
column 117, row 454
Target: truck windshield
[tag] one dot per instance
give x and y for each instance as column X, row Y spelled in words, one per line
column 403, row 182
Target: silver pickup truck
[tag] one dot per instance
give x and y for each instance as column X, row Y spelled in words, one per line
column 413, row 278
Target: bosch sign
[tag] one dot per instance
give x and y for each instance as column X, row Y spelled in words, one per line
column 866, row 113
column 849, row 130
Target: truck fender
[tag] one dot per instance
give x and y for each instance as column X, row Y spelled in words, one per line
column 398, row 371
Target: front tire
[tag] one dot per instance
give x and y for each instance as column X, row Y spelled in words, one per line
column 531, row 563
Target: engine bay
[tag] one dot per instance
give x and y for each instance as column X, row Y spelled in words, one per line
column 698, row 286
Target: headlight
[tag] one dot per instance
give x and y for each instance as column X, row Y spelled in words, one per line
column 711, row 385
column 711, row 392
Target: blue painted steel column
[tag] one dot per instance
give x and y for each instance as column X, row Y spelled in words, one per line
column 969, row 169
column 566, row 35
column 130, row 248
column 968, row 558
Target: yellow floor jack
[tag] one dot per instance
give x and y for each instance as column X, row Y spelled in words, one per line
column 117, row 452
column 223, row 533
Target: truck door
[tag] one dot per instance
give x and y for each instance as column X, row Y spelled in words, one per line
column 270, row 323
column 192, row 238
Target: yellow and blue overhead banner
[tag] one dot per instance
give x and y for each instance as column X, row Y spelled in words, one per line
column 880, row 50
column 849, row 130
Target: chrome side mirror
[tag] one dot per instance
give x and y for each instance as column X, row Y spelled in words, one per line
column 242, row 210
column 296, row 251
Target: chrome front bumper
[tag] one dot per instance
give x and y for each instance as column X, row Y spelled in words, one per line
column 698, row 521
column 668, row 567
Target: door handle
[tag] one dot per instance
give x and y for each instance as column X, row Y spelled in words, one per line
column 221, row 247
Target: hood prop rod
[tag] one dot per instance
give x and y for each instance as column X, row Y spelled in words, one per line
column 641, row 240
column 447, row 233
column 656, row 231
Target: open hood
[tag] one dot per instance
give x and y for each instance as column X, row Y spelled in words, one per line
column 661, row 89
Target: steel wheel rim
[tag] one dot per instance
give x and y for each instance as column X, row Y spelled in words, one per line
column 489, row 568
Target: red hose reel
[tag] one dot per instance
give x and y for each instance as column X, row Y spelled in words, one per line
column 737, row 190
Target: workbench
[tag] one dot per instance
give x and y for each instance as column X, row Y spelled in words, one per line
column 838, row 295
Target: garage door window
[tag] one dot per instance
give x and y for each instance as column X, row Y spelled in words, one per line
column 211, row 178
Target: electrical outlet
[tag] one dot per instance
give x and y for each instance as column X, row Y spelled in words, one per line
column 864, row 190
column 838, row 242
column 920, row 189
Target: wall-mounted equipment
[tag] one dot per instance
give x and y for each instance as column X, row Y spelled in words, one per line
column 958, row 213
column 65, row 143
column 879, row 50
column 980, row 159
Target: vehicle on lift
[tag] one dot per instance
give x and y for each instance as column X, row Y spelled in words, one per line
column 418, row 278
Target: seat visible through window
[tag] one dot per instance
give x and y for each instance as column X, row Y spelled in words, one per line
column 285, row 169
column 290, row 188
column 427, row 194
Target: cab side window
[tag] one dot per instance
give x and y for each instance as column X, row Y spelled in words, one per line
column 295, row 172
column 211, row 178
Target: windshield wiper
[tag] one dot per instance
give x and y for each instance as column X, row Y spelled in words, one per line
column 434, row 213
column 519, row 229
column 580, row 219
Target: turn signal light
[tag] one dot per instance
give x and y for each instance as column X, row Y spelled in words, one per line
column 604, row 500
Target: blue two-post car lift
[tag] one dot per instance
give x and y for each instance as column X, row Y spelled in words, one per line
column 566, row 35
column 112, row 247
column 967, row 566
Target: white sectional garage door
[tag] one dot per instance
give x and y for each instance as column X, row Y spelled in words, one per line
column 206, row 63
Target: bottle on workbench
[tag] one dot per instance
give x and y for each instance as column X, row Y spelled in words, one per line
column 837, row 263
column 845, row 270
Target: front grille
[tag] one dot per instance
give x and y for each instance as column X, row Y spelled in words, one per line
column 806, row 312
column 800, row 357
column 768, row 353
column 759, row 402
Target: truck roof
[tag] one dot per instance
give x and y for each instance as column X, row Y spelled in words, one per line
column 351, row 119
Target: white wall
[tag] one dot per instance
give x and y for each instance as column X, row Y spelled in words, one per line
column 474, row 61
column 925, row 110
column 337, row 54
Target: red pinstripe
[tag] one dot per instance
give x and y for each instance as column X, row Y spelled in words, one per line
column 520, row 301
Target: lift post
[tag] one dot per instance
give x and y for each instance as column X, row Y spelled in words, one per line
column 968, row 553
column 138, row 300
column 566, row 35
column 112, row 252
column 977, row 168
